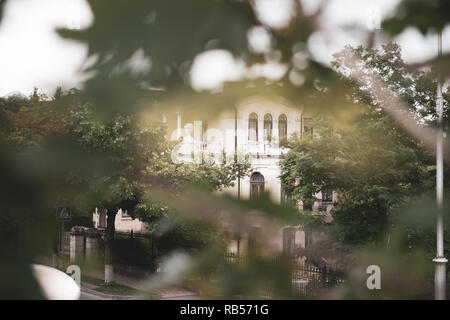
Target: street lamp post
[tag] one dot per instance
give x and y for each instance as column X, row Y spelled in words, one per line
column 239, row 169
column 440, row 260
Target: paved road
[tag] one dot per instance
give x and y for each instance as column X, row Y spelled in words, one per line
column 89, row 296
column 88, row 293
column 187, row 297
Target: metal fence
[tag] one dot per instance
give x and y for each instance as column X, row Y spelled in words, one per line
column 136, row 252
column 307, row 280
column 135, row 249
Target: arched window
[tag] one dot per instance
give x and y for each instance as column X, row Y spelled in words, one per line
column 282, row 126
column 327, row 196
column 253, row 127
column 268, row 127
column 256, row 185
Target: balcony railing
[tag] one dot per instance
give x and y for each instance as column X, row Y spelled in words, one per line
column 253, row 148
column 265, row 148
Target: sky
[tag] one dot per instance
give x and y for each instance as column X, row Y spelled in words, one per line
column 32, row 54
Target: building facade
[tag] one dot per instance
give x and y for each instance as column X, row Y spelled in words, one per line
column 255, row 128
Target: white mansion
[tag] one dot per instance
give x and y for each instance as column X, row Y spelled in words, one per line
column 254, row 127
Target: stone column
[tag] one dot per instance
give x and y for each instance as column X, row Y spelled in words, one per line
column 275, row 130
column 275, row 142
column 109, row 273
column 76, row 246
column 260, row 147
column 92, row 245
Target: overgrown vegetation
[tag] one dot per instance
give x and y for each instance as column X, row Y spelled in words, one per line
column 88, row 147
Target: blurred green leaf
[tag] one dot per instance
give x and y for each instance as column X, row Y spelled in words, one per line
column 426, row 16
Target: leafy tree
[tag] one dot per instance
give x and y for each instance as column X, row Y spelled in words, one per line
column 306, row 168
column 417, row 88
column 136, row 158
column 374, row 166
column 425, row 16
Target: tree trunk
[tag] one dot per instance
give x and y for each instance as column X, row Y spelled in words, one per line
column 110, row 229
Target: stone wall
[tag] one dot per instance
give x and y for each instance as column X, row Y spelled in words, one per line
column 84, row 242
